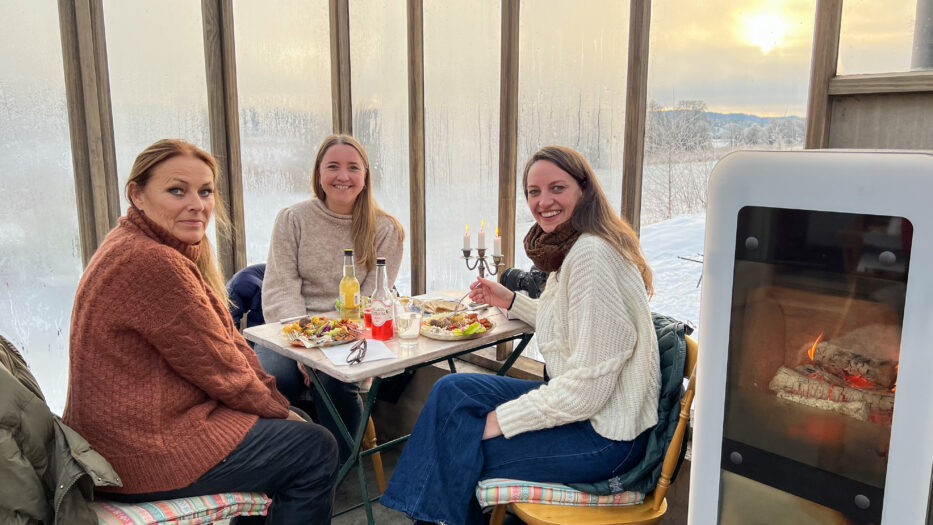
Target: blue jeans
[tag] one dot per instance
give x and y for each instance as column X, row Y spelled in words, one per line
column 295, row 463
column 290, row 382
column 445, row 457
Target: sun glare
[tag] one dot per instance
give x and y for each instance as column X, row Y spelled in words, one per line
column 765, row 30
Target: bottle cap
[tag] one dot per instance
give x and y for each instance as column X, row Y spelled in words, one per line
column 380, row 261
column 348, row 251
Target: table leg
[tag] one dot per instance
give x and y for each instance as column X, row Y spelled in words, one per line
column 355, row 440
column 516, row 352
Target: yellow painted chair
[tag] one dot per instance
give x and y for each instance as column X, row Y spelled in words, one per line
column 650, row 510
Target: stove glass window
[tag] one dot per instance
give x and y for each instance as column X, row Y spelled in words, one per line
column 817, row 309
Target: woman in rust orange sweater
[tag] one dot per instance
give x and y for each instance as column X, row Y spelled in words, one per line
column 161, row 383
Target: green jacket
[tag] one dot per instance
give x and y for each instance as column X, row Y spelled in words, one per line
column 47, row 470
column 672, row 347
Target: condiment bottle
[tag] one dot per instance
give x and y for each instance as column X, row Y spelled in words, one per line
column 349, row 289
column 382, row 305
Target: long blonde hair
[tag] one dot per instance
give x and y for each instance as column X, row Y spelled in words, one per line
column 592, row 213
column 160, row 152
column 365, row 210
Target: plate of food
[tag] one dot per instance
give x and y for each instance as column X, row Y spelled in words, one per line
column 439, row 306
column 455, row 327
column 317, row 331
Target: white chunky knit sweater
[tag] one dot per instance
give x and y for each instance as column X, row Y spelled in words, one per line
column 595, row 332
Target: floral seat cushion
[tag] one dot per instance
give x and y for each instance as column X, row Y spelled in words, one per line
column 197, row 510
column 495, row 491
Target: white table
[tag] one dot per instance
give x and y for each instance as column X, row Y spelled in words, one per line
column 409, row 356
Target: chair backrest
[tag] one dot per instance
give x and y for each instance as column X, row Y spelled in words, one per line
column 673, row 450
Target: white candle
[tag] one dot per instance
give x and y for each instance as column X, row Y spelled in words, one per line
column 466, row 238
column 497, row 243
column 481, row 237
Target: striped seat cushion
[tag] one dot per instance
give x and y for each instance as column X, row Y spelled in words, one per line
column 494, row 491
column 196, row 510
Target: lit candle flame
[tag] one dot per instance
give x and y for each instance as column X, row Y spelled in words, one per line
column 467, row 228
column 813, row 348
column 497, row 231
column 482, row 225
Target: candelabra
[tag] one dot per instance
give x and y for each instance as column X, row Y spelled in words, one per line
column 482, row 263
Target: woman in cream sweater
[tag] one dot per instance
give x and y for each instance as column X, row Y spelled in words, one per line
column 305, row 263
column 595, row 332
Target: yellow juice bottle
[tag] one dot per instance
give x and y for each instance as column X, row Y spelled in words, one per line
column 349, row 289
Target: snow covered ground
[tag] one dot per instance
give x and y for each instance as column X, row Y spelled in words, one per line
column 674, row 249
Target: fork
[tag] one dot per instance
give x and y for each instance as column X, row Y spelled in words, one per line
column 460, row 302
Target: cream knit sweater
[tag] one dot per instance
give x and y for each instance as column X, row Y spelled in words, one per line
column 305, row 262
column 595, row 332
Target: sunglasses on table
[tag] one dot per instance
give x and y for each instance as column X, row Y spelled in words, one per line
column 357, row 352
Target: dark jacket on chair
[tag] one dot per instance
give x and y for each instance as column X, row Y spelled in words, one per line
column 245, row 291
column 48, row 470
column 644, row 476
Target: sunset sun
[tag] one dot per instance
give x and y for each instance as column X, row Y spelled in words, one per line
column 765, row 30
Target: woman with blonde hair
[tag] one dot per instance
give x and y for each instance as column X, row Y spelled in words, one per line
column 160, row 381
column 305, row 263
column 589, row 422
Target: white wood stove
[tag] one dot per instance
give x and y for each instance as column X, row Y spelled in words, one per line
column 817, row 286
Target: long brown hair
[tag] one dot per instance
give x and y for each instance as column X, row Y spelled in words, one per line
column 365, row 210
column 592, row 213
column 160, row 152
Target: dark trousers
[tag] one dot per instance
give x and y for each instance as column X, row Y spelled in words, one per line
column 295, row 463
column 436, row 476
column 290, row 382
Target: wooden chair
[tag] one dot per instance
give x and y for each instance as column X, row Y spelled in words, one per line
column 650, row 511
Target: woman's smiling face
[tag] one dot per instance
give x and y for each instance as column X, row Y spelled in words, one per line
column 552, row 194
column 342, row 177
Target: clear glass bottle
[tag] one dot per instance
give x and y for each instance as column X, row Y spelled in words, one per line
column 349, row 289
column 382, row 304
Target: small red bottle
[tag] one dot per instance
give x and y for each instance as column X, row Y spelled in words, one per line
column 382, row 306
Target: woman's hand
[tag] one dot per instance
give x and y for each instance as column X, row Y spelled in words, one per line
column 492, row 426
column 293, row 416
column 491, row 293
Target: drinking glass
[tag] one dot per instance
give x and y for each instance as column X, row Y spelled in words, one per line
column 366, row 307
column 408, row 316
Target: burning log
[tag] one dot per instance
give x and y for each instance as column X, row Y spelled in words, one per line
column 854, row 409
column 811, row 384
column 858, row 369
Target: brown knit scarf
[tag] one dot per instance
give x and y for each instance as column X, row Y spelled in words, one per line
column 547, row 250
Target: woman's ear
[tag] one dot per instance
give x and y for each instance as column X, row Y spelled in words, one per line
column 135, row 195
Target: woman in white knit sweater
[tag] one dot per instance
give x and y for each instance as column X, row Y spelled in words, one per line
column 594, row 329
column 305, row 263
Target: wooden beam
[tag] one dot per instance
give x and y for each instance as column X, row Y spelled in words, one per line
column 823, row 63
column 636, row 107
column 882, row 83
column 508, row 137
column 223, row 115
column 416, row 151
column 340, row 66
column 90, row 120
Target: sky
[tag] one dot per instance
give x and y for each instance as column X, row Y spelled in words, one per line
column 738, row 56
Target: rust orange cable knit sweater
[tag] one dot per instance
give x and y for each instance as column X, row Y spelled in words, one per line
column 160, row 381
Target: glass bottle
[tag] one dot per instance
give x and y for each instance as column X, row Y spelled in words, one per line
column 349, row 289
column 382, row 304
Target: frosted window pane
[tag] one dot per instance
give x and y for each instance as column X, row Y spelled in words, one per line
column 283, row 81
column 379, row 64
column 876, row 37
column 158, row 88
column 722, row 76
column 461, row 92
column 40, row 254
column 572, row 68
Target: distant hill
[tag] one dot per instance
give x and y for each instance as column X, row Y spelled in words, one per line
column 720, row 120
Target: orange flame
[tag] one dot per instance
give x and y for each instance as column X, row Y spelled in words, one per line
column 812, row 349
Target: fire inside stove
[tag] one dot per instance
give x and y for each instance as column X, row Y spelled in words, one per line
column 851, row 374
column 817, row 310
